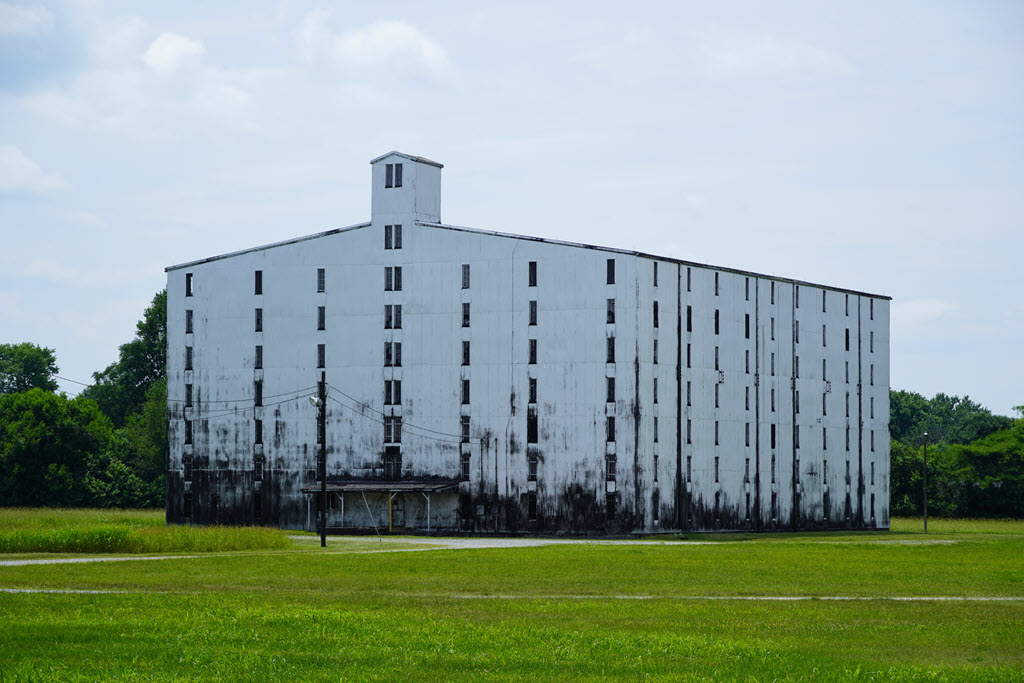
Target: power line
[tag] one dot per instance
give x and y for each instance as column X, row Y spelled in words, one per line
column 247, row 399
column 406, row 424
column 373, row 419
column 72, row 381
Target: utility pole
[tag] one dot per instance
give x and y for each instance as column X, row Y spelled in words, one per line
column 322, row 433
column 924, row 482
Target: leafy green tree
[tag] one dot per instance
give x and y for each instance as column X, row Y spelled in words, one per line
column 145, row 437
column 47, row 442
column 120, row 389
column 27, row 366
column 947, row 419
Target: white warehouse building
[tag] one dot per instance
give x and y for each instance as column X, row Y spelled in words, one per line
column 491, row 382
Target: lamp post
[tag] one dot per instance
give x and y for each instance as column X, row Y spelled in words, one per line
column 320, row 402
column 924, row 483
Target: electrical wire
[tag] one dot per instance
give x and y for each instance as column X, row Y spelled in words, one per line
column 73, row 381
column 373, row 419
column 248, row 398
column 404, row 424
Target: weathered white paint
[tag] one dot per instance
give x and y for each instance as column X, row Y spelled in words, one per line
column 579, row 473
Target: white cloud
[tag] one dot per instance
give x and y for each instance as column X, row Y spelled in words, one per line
column 119, row 39
column 171, row 51
column 24, row 20
column 390, row 44
column 773, row 57
column 19, row 174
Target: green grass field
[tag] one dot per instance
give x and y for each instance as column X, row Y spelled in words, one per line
column 557, row 612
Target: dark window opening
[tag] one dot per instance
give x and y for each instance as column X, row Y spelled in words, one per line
column 465, row 353
column 610, row 386
column 188, row 395
column 188, row 357
column 718, row 317
column 464, row 424
column 610, row 429
column 259, row 431
column 259, row 282
column 533, row 390
column 259, row 357
column 531, row 506
column 388, row 240
column 609, row 504
column 465, row 467
column 321, row 355
column 533, row 352
column 398, row 354
column 689, row 469
column 688, row 279
column 611, row 311
column 773, row 446
column 259, row 319
column 398, row 175
column 716, row 284
column 465, row 314
column 188, row 321
column 187, row 474
column 398, row 236
column 716, row 469
column 655, row 273
column 257, row 390
column 465, row 392
column 746, row 288
column 398, row 316
column 388, row 355
column 655, row 351
column 321, row 279
column 465, row 276
column 321, row 317
column 689, row 318
column 611, row 350
column 389, row 175
column 531, row 427
column 188, row 284
column 533, row 273
column 655, row 313
column 532, row 462
column 746, row 325
column 611, row 271
column 655, row 389
column 533, row 312
column 188, row 431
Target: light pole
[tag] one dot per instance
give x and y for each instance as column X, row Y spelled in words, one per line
column 924, row 482
column 320, row 402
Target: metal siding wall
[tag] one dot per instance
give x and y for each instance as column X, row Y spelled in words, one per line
column 571, row 487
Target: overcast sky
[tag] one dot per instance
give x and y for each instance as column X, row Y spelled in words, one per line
column 873, row 145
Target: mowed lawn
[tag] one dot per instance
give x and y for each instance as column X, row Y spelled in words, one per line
column 661, row 609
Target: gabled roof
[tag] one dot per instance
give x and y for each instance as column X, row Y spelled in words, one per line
column 264, row 247
column 421, row 160
column 544, row 240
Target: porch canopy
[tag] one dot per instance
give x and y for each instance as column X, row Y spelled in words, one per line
column 392, row 488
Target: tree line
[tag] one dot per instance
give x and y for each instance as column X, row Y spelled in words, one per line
column 975, row 458
column 106, row 447
column 103, row 448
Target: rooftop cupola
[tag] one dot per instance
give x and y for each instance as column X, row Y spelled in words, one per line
column 405, row 189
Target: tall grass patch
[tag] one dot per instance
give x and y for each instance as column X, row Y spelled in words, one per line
column 24, row 530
